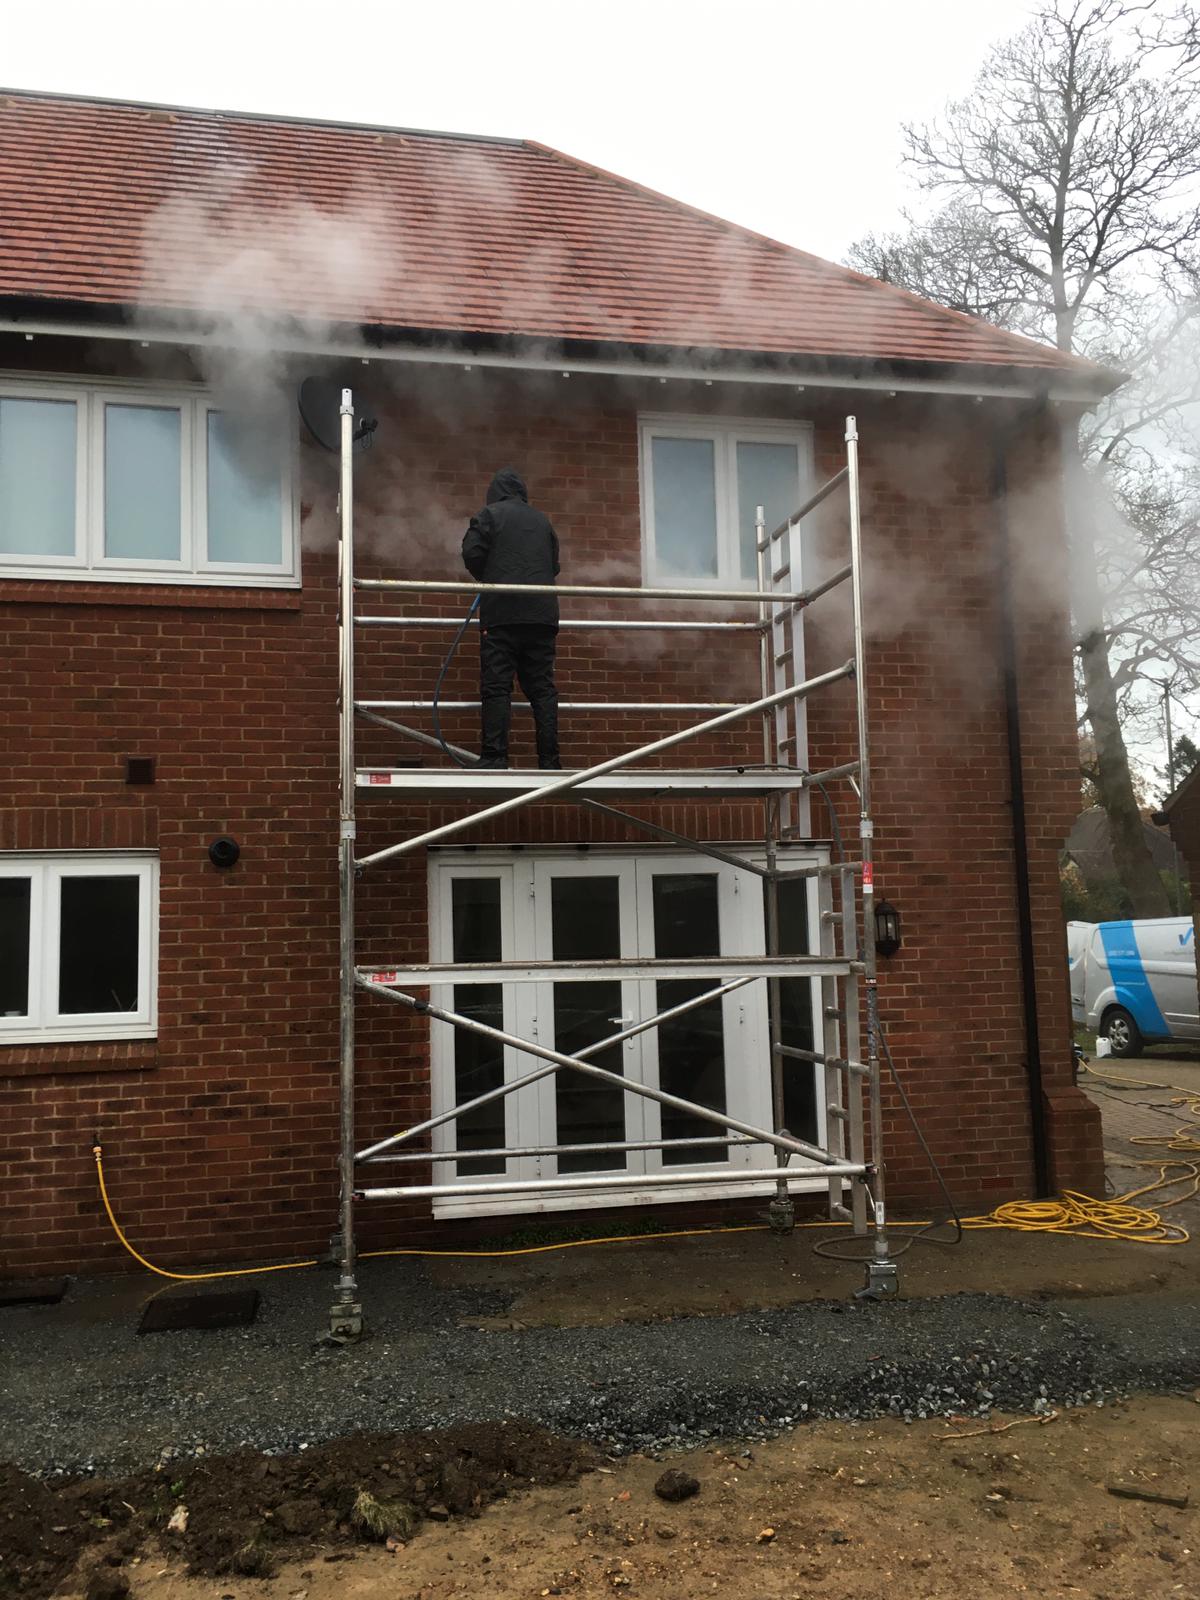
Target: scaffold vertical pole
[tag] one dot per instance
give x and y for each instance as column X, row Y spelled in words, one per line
column 764, row 624
column 882, row 1275
column 782, row 1211
column 345, row 1317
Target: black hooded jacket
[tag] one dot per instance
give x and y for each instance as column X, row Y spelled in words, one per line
column 510, row 541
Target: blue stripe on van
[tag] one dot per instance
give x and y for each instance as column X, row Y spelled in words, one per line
column 1129, row 978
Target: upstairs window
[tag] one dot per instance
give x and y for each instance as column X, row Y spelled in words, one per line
column 702, row 479
column 78, row 939
column 139, row 484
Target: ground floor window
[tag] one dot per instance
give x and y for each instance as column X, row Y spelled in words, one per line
column 599, row 906
column 78, row 935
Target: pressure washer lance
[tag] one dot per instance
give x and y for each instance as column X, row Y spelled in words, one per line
column 437, row 721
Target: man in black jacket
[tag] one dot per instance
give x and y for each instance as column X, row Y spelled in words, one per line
column 511, row 542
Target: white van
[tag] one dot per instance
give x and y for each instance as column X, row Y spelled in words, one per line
column 1138, row 981
column 1079, row 937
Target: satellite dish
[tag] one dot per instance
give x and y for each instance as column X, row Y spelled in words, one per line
column 321, row 409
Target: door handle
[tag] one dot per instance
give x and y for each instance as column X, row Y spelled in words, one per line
column 623, row 1021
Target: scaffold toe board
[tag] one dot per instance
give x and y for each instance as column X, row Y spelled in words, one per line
column 469, row 782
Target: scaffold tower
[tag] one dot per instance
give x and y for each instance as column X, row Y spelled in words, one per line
column 848, row 1154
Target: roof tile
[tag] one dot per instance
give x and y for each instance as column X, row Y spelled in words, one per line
column 214, row 212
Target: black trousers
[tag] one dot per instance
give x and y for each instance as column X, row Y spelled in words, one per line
column 524, row 650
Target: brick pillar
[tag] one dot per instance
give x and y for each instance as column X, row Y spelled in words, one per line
column 1037, row 545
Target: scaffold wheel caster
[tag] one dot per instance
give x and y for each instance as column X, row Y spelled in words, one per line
column 883, row 1281
column 781, row 1216
column 345, row 1322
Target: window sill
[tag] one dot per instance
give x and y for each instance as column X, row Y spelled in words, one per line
column 84, row 1055
column 16, row 590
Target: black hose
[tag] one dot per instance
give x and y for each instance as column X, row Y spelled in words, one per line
column 838, row 847
column 441, row 678
column 903, row 1241
column 1040, row 1136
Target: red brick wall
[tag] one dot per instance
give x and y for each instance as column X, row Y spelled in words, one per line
column 951, row 998
column 220, row 1135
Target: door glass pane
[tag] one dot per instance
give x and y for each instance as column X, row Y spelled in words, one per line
column 585, row 912
column 245, row 514
column 691, row 1063
column 691, row 1049
column 585, row 917
column 588, row 1112
column 14, row 947
column 685, row 506
column 478, row 1062
column 796, row 1014
column 768, row 476
column 98, row 945
column 37, row 477
column 142, row 475
column 686, row 916
column 475, row 914
column 478, row 1067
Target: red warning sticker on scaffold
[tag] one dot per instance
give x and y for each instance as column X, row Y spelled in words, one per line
column 383, row 977
column 379, row 777
column 868, row 877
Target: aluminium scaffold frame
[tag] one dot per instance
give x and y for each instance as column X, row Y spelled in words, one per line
column 845, row 964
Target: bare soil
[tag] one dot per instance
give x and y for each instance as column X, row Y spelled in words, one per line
column 243, row 1513
column 930, row 1511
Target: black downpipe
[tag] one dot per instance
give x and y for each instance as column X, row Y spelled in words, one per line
column 1016, row 778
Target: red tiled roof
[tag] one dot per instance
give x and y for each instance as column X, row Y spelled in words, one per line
column 211, row 212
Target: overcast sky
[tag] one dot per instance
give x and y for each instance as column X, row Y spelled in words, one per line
column 780, row 114
column 783, row 115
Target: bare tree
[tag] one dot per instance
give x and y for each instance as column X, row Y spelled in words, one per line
column 956, row 257
column 1177, row 34
column 1069, row 188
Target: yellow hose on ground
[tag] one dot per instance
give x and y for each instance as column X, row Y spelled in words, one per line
column 366, row 1255
column 1078, row 1215
column 1186, row 1138
column 180, row 1277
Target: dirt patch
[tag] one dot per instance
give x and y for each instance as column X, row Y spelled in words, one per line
column 38, row 1538
column 934, row 1511
column 724, row 1274
column 240, row 1514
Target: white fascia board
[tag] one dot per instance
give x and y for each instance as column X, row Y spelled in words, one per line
column 1049, row 386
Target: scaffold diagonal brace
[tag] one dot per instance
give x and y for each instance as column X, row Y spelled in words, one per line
column 780, row 1141
column 504, row 1089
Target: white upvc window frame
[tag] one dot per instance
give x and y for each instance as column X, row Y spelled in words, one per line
column 529, row 1113
column 725, row 434
column 441, row 934
column 88, row 562
column 45, row 1024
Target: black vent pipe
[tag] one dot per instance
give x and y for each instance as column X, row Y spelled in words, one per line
column 1016, row 783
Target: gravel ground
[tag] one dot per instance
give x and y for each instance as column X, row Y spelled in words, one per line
column 81, row 1391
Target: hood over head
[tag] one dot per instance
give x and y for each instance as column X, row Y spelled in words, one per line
column 508, row 484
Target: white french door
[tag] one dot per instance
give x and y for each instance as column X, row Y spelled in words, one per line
column 586, row 910
column 575, row 907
